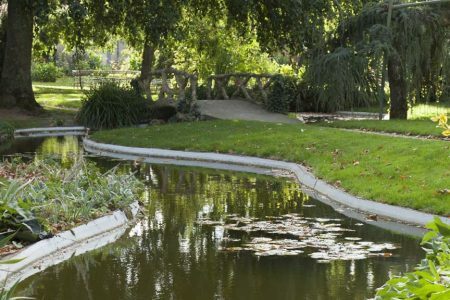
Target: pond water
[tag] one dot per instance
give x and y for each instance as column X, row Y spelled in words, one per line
column 212, row 234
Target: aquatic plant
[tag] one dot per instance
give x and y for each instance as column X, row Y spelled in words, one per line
column 431, row 278
column 291, row 234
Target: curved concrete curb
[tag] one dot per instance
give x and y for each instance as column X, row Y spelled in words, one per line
column 76, row 241
column 304, row 177
column 49, row 131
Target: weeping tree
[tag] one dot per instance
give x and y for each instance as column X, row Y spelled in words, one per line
column 415, row 48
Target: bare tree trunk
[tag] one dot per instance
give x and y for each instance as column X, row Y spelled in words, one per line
column 148, row 57
column 398, row 87
column 15, row 87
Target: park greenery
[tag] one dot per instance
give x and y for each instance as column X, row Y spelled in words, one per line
column 430, row 279
column 373, row 167
column 335, row 50
column 321, row 56
column 41, row 198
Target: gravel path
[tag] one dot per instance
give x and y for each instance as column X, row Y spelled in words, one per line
column 240, row 110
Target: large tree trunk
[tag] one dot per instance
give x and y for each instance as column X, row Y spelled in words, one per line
column 398, row 87
column 15, row 87
column 145, row 79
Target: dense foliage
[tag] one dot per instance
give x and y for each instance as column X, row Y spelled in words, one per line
column 431, row 279
column 41, row 197
column 110, row 105
column 45, row 72
column 283, row 94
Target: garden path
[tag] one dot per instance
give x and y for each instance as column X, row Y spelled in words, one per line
column 240, row 110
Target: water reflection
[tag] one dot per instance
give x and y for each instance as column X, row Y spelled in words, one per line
column 168, row 256
column 63, row 148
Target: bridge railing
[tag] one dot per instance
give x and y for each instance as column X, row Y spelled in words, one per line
column 253, row 87
column 175, row 84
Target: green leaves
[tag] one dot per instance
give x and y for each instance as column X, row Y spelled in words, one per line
column 431, row 280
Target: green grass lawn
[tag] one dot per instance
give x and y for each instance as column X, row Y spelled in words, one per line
column 58, row 98
column 65, row 82
column 408, row 127
column 405, row 172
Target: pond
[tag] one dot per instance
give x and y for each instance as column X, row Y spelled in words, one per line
column 214, row 234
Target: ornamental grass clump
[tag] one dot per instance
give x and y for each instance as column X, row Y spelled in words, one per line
column 111, row 105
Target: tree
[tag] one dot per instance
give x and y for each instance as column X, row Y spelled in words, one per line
column 146, row 24
column 15, row 82
column 415, row 48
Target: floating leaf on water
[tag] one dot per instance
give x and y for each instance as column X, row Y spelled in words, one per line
column 350, row 238
column 208, row 222
column 260, row 240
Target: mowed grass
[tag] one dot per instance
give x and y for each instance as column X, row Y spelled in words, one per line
column 399, row 171
column 58, row 98
column 406, row 127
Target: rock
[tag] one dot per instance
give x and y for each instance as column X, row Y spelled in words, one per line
column 157, row 122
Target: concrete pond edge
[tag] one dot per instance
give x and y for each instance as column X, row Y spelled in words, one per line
column 50, row 131
column 304, row 177
column 81, row 239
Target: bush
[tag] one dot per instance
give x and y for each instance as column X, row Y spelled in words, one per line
column 431, row 279
column 162, row 112
column 283, row 95
column 111, row 105
column 6, row 131
column 58, row 199
column 46, row 72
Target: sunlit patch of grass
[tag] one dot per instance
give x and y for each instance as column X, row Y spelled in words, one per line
column 426, row 111
column 62, row 98
column 399, row 171
column 407, row 127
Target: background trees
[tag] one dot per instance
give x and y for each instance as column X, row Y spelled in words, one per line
column 337, row 48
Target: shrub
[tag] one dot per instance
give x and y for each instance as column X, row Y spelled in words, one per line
column 46, row 72
column 442, row 121
column 111, row 105
column 6, row 131
column 431, row 279
column 57, row 198
column 162, row 112
column 283, row 94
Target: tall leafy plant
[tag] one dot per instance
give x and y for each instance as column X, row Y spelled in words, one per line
column 431, row 278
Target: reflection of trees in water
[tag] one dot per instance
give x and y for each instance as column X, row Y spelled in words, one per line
column 168, row 257
column 63, row 148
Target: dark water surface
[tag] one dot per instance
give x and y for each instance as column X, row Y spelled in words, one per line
column 168, row 256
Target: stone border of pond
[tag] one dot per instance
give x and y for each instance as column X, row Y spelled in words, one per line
column 81, row 239
column 50, row 131
column 372, row 209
